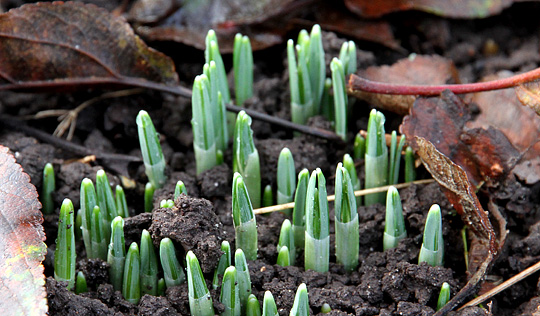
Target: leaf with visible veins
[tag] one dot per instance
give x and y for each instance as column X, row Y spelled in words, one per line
column 59, row 45
column 22, row 283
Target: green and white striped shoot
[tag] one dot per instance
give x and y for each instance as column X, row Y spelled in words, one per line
column 243, row 68
column 348, row 163
column 301, row 302
column 245, row 225
column 444, row 295
column 283, row 257
column 211, row 53
column 327, row 101
column 315, row 63
column 105, row 197
column 286, row 239
column 302, row 106
column 180, row 188
column 217, row 108
column 253, row 307
column 376, row 161
column 149, row 265
column 317, row 237
column 229, row 295
column 299, row 211
column 121, row 202
column 65, row 253
column 47, row 188
column 410, row 170
column 394, row 227
column 202, row 122
column 172, row 270
column 395, row 158
column 116, row 256
column 131, row 286
column 200, row 301
column 224, row 262
column 80, row 283
column 246, row 157
column 346, row 221
column 98, row 235
column 268, row 196
column 347, row 55
column 340, row 98
column 432, row 250
column 359, row 147
column 149, row 190
column 88, row 201
column 243, row 278
column 269, row 305
column 286, row 178
column 154, row 162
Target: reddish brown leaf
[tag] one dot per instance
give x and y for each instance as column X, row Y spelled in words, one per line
column 419, row 70
column 448, row 8
column 22, row 283
column 63, row 44
column 529, row 95
column 484, row 154
column 521, row 125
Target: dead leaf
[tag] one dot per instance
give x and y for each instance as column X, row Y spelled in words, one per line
column 22, row 283
column 451, row 9
column 486, row 155
column 502, row 110
column 417, row 70
column 529, row 95
column 66, row 44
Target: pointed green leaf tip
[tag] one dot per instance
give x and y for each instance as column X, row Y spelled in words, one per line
column 376, row 142
column 200, row 301
column 432, row 250
column 253, row 307
column 286, row 176
column 242, row 209
column 317, row 206
column 154, row 162
column 394, row 228
column 131, row 288
column 172, row 270
column 269, row 305
column 65, row 254
column 444, row 295
column 228, row 295
column 301, row 302
column 48, row 187
column 116, row 255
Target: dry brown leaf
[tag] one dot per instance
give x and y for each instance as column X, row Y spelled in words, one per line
column 22, row 283
column 418, row 70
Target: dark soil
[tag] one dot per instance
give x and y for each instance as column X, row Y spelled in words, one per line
column 385, row 283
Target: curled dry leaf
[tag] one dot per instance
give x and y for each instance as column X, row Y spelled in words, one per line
column 22, row 283
column 486, row 155
column 452, row 9
column 418, row 70
column 59, row 45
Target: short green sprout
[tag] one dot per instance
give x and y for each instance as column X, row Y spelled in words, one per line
column 299, row 211
column 394, row 227
column 359, row 147
column 200, row 301
column 243, row 68
column 149, row 190
column 253, row 307
column 80, row 283
column 243, row 278
column 245, row 226
column 121, row 202
column 131, row 286
column 286, row 178
column 444, row 295
column 395, row 158
column 48, row 187
column 172, row 270
column 432, row 250
column 340, row 98
column 268, row 196
column 410, row 170
column 269, row 305
column 229, row 295
column 149, row 265
column 180, row 188
column 154, row 162
column 116, row 255
column 286, row 239
column 301, row 302
column 317, row 237
column 376, row 161
column 65, row 254
column 224, row 262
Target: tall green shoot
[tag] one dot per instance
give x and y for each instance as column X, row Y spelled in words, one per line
column 245, row 226
column 65, row 253
column 317, row 237
column 376, row 161
column 154, row 161
column 243, row 68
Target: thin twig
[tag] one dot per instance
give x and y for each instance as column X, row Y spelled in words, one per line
column 281, row 207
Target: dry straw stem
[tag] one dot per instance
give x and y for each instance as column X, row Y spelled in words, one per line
column 281, row 207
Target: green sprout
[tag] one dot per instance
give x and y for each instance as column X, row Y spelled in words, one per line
column 161, row 287
column 217, row 108
column 65, row 254
column 394, row 227
column 299, row 211
column 327, row 101
column 312, row 49
column 376, row 161
column 98, row 235
column 410, row 170
column 432, row 250
column 105, row 198
column 348, row 163
column 395, row 158
column 269, row 305
column 286, row 239
column 245, row 226
column 149, row 265
column 317, row 238
column 172, row 270
column 286, row 178
column 224, row 262
column 180, row 188
column 253, row 307
column 284, row 257
column 229, row 295
column 211, row 53
column 200, row 301
column 325, row 308
column 242, row 277
column 302, row 105
column 154, row 162
column 340, row 98
column 121, row 202
column 166, row 203
column 346, row 221
column 268, row 196
column 80, row 283
column 204, row 137
column 88, row 201
column 444, row 295
column 301, row 302
column 243, row 68
column 48, row 187
column 116, row 256
column 131, row 285
column 359, row 147
column 347, row 55
column 246, row 157
column 149, row 190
